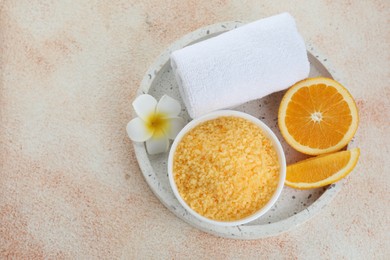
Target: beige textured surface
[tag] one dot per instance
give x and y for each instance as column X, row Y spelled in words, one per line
column 70, row 186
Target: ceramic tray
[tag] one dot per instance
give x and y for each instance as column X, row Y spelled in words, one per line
column 293, row 207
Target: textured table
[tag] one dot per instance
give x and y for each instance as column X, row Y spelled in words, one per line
column 70, row 186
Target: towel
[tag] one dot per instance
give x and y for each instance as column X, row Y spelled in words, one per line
column 241, row 65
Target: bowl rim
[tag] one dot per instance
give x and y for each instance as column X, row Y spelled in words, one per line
column 267, row 132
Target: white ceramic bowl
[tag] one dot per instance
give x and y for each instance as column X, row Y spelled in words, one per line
column 267, row 132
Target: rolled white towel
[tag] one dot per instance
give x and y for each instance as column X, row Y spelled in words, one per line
column 241, row 65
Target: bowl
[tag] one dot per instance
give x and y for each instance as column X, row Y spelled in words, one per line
column 266, row 131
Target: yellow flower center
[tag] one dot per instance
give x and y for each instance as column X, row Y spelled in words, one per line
column 158, row 124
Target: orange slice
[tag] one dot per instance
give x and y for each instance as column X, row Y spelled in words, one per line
column 321, row 170
column 317, row 116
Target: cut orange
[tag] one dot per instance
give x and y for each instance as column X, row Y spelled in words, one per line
column 317, row 116
column 321, row 170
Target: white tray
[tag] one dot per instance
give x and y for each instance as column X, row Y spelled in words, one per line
column 293, row 207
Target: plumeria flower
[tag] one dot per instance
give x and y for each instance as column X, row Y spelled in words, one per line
column 156, row 122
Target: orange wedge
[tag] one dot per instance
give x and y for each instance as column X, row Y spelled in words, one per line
column 321, row 170
column 318, row 116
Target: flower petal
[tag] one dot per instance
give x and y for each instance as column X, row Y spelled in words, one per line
column 175, row 125
column 157, row 145
column 144, row 105
column 168, row 106
column 137, row 130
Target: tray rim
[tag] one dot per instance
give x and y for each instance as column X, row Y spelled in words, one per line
column 248, row 232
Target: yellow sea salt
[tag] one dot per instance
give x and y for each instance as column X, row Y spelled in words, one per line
column 226, row 169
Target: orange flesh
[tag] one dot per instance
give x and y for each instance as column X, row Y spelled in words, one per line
column 317, row 169
column 334, row 120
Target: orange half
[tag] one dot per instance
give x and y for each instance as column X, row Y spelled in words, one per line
column 317, row 116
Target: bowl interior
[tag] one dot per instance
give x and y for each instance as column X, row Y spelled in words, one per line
column 267, row 132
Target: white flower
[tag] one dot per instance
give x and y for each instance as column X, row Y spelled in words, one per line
column 156, row 122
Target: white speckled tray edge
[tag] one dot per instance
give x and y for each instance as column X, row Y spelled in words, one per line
column 165, row 195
